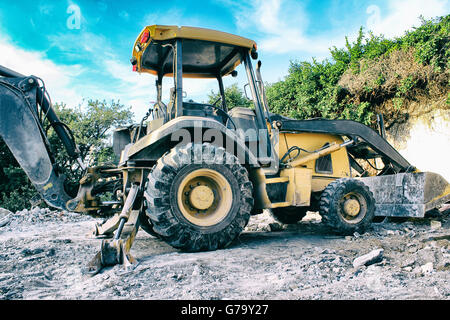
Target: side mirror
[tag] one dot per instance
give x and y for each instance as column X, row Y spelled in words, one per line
column 254, row 54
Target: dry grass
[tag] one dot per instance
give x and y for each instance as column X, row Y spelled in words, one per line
column 384, row 75
column 397, row 85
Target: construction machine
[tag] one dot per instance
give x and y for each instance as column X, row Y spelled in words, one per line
column 193, row 173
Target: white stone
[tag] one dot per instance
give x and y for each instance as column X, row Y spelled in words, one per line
column 427, row 268
column 5, row 217
column 435, row 224
column 372, row 257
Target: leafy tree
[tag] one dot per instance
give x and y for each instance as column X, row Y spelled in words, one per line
column 15, row 188
column 91, row 130
column 234, row 97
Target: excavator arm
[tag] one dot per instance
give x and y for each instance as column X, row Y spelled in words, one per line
column 24, row 105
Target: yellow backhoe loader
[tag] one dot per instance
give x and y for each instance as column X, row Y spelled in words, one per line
column 194, row 173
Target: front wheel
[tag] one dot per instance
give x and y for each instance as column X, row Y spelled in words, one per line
column 198, row 205
column 347, row 206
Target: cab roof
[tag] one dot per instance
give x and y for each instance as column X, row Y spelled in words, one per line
column 206, row 53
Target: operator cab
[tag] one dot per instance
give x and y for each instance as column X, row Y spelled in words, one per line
column 188, row 52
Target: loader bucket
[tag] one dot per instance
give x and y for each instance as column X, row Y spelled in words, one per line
column 408, row 194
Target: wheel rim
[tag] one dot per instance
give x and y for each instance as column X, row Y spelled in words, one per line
column 353, row 207
column 204, row 197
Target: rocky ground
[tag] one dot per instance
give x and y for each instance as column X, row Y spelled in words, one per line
column 42, row 253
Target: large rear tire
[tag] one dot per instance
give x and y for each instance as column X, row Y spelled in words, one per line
column 347, row 206
column 198, row 197
column 146, row 225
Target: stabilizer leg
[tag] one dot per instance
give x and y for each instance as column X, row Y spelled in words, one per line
column 106, row 229
column 117, row 250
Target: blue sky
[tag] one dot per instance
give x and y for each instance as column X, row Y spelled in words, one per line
column 82, row 48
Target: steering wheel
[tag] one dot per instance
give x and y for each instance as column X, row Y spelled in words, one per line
column 227, row 116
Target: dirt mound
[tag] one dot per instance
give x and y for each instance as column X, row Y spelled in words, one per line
column 37, row 216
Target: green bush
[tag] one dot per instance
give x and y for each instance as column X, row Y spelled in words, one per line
column 406, row 85
column 16, row 191
column 91, row 128
column 19, row 198
column 431, row 41
column 311, row 88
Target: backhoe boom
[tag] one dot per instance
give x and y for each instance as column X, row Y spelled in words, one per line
column 22, row 130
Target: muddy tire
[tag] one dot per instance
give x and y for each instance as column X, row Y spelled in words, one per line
column 347, row 206
column 198, row 197
column 289, row 215
column 145, row 224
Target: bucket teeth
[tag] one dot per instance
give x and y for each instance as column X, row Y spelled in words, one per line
column 112, row 252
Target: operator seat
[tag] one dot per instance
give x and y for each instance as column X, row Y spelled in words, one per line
column 245, row 119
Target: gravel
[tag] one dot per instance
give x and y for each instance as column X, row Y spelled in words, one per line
column 42, row 253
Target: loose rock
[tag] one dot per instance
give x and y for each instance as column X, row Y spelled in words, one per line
column 372, row 257
column 435, row 224
column 42, row 255
column 5, row 217
column 427, row 268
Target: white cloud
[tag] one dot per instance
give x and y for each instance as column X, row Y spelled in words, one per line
column 65, row 82
column 174, row 16
column 401, row 15
column 58, row 78
column 281, row 27
column 120, row 82
column 73, row 83
column 81, row 44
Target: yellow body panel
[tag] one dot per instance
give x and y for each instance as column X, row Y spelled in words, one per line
column 158, row 32
column 302, row 179
column 312, row 142
column 298, row 192
column 299, row 188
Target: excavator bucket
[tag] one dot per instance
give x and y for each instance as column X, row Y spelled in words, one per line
column 408, row 194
